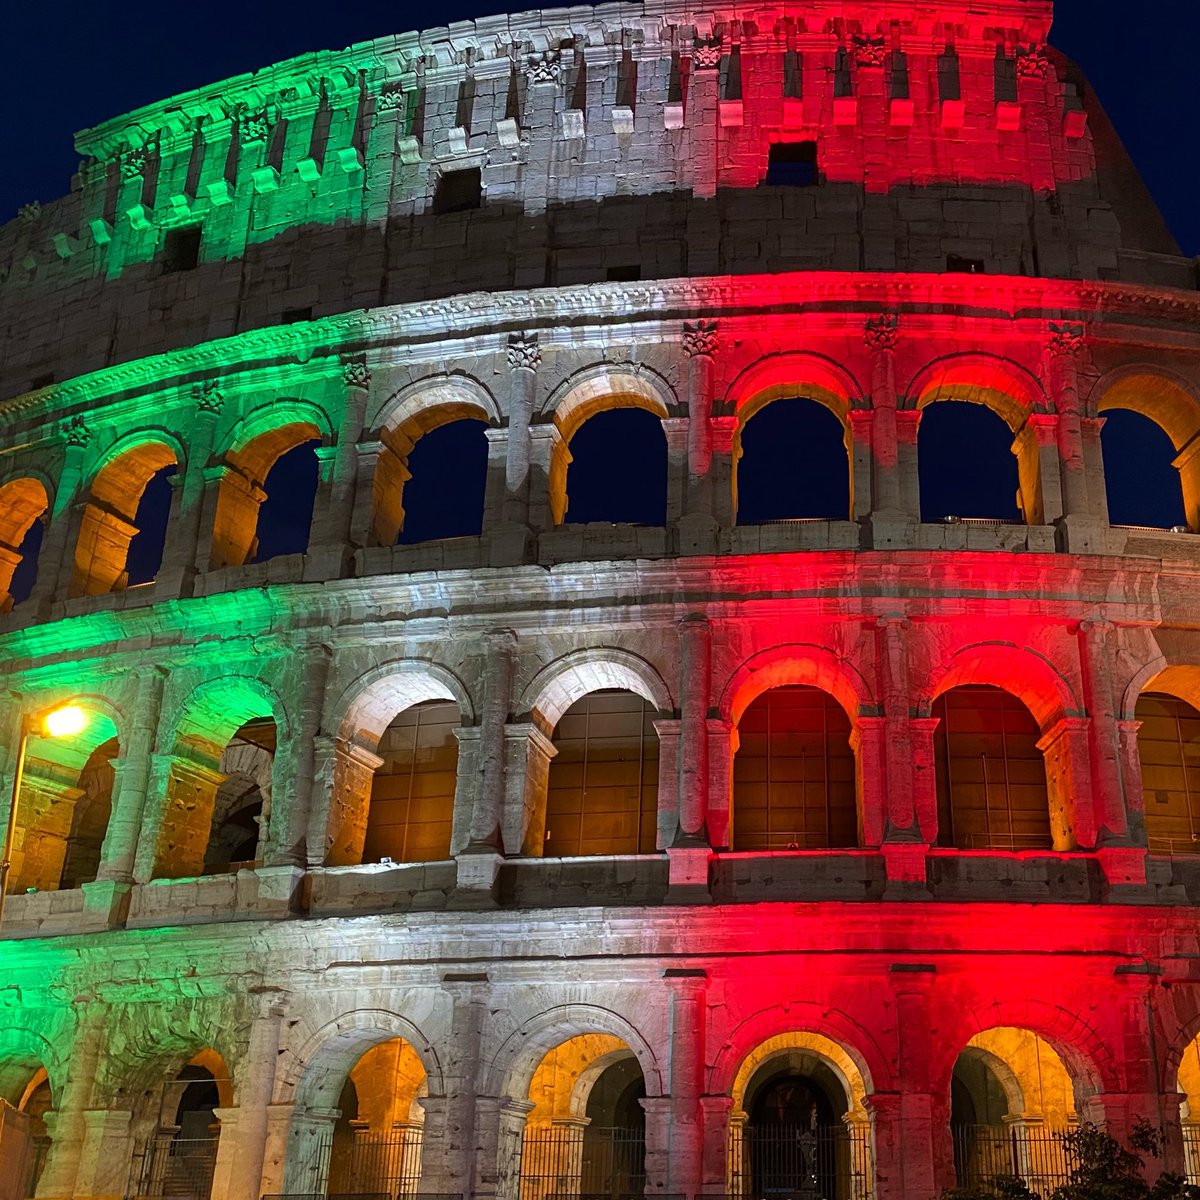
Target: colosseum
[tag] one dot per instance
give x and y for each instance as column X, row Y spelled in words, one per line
column 501, row 697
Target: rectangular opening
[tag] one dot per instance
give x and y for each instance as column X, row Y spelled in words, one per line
column 292, row 315
column 843, row 85
column 1005, row 77
column 958, row 264
column 949, row 86
column 793, row 76
column 41, row 381
column 792, row 164
column 627, row 81
column 897, row 73
column 458, row 191
column 624, row 274
column 181, row 249
column 731, row 74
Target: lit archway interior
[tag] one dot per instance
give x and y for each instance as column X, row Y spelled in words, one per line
column 1010, row 1096
column 794, row 773
column 990, row 772
column 798, row 1122
column 23, row 505
column 586, row 1131
column 602, row 793
column 25, row 1098
column 1169, row 749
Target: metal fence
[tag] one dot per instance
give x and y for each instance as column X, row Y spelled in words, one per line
column 592, row 1162
column 180, row 1168
column 1038, row 1156
column 1191, row 1153
column 821, row 1163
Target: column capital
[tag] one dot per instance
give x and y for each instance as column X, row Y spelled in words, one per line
column 524, row 353
column 700, row 339
column 209, row 399
column 881, row 333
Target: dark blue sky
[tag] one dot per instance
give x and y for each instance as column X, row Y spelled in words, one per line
column 73, row 64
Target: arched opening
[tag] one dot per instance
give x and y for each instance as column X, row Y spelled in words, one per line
column 793, row 463
column 1168, row 741
column 23, row 506
column 1011, row 1099
column 24, row 1138
column 1152, row 492
column 64, row 806
column 447, row 475
column 219, row 787
column 794, row 773
column 966, row 465
column 182, row 1155
column 586, row 1133
column 1140, row 477
column 1188, row 1082
column 115, row 516
column 617, row 469
column 990, row 772
column 266, row 497
column 798, row 1125
column 412, row 790
column 360, row 1130
column 602, row 793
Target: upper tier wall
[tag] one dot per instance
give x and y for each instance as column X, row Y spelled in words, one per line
column 615, row 142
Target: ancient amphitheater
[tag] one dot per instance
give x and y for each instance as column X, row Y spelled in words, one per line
column 780, row 841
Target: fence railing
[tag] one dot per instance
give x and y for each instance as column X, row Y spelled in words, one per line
column 1038, row 1156
column 1191, row 1153
column 816, row 1163
column 180, row 1167
column 578, row 1162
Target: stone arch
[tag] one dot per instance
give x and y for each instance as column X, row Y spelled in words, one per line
column 151, row 1057
column 1006, row 389
column 796, row 663
column 1023, row 672
column 1014, row 1094
column 194, row 739
column 362, row 716
column 309, row 1074
column 560, row 683
column 24, row 499
column 253, row 447
column 1090, row 1064
column 795, row 373
column 511, row 1069
column 597, row 389
column 1180, row 679
column 366, row 706
column 828, row 1027
column 1010, row 390
column 403, row 419
column 23, row 1054
column 588, row 1077
column 1184, row 1036
column 107, row 527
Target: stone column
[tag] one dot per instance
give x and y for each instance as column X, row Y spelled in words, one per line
column 1060, row 374
column 722, row 743
column 1066, row 747
column 528, row 752
column 70, row 1134
column 721, row 470
column 675, row 430
column 1131, row 780
column 129, row 801
column 505, row 1174
column 889, row 503
column 1036, row 448
column 333, row 528
column 279, row 1124
column 450, row 1156
column 698, row 525
column 495, row 492
column 549, row 461
column 242, row 1149
column 153, row 815
column 309, row 1136
column 56, row 561
column 924, row 1165
column 868, row 740
column 487, row 790
column 860, row 436
column 668, row 732
column 466, row 780
column 681, row 1173
column 343, row 772
column 695, row 654
column 908, row 424
column 105, row 1161
column 715, row 1112
column 524, row 358
column 183, row 551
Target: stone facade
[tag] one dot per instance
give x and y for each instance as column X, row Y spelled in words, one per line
column 481, row 1000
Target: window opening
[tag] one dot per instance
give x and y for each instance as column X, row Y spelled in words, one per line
column 181, row 249
column 458, row 191
column 792, row 164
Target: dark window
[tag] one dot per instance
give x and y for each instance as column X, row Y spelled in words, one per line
column 618, row 469
column 949, row 85
column 792, row 164
column 623, row 274
column 153, row 512
column 965, row 464
column 285, row 516
column 898, row 75
column 458, row 191
column 1005, row 77
column 292, row 315
column 41, row 381
column 443, row 497
column 1140, row 475
column 964, row 266
column 793, row 75
column 181, row 249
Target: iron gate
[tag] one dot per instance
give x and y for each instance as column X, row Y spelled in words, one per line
column 379, row 1164
column 591, row 1161
column 818, row 1163
column 180, row 1167
column 982, row 1153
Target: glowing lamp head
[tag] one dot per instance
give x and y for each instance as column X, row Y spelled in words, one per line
column 65, row 721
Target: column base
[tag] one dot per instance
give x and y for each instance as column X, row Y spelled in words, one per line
column 509, row 546
column 1123, row 866
column 905, row 870
column 890, row 531
column 687, row 873
column 106, row 902
column 478, row 876
column 697, row 533
column 1081, row 535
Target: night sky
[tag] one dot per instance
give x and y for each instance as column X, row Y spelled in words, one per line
column 71, row 65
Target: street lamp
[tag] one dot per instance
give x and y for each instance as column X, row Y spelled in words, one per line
column 64, row 721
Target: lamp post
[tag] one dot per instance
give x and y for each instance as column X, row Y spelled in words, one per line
column 63, row 721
